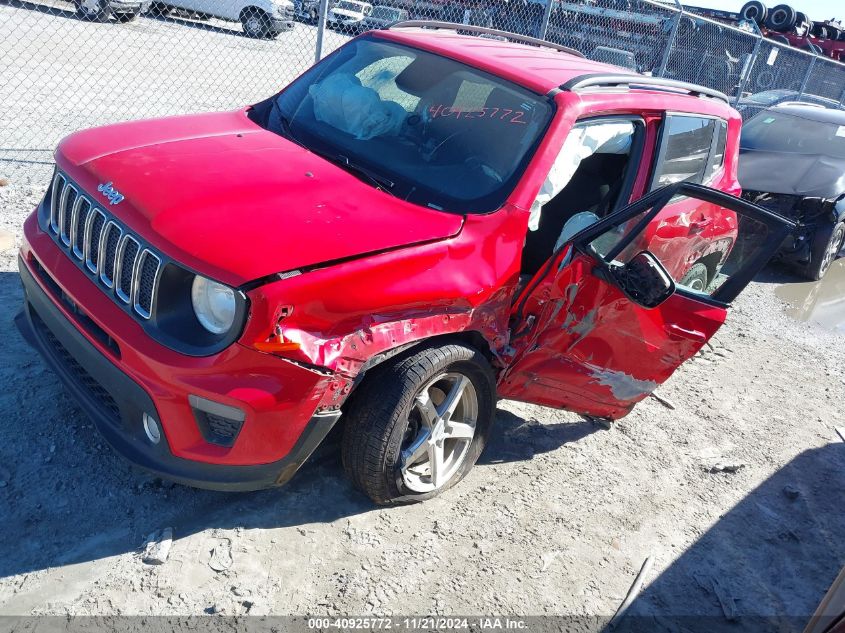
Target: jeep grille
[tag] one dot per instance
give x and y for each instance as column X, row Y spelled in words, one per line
column 120, row 264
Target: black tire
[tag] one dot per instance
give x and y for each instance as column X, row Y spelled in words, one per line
column 834, row 33
column 754, row 10
column 123, row 18
column 819, row 31
column 256, row 23
column 801, row 19
column 781, row 18
column 314, row 17
column 697, row 278
column 765, row 80
column 158, row 9
column 379, row 419
column 826, row 246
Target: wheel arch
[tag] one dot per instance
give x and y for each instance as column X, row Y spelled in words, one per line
column 471, row 338
column 249, row 9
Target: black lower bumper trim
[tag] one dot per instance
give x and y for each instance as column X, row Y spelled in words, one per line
column 281, row 25
column 93, row 380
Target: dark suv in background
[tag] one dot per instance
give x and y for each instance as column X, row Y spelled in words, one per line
column 792, row 160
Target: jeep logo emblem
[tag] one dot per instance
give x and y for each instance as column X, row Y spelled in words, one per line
column 110, row 193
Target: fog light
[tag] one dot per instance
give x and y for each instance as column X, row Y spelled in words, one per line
column 152, row 429
column 218, row 423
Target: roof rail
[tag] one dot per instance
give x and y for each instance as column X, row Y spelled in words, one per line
column 635, row 81
column 482, row 30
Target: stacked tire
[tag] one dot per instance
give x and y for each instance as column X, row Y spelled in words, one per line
column 783, row 18
column 754, row 11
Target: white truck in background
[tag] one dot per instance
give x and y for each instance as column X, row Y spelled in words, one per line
column 259, row 18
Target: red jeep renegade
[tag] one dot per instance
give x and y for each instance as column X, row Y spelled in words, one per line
column 423, row 222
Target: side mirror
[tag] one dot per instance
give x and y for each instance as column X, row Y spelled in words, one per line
column 644, row 280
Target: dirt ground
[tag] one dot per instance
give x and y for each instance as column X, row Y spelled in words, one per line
column 557, row 518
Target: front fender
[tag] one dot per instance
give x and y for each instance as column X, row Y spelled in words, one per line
column 342, row 317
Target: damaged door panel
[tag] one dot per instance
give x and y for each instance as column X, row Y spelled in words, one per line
column 582, row 342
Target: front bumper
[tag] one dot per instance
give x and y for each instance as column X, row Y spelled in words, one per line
column 281, row 25
column 120, row 6
column 117, row 374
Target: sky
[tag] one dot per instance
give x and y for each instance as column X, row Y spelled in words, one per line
column 815, row 9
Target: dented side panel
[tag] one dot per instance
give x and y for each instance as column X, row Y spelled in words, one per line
column 339, row 317
column 591, row 350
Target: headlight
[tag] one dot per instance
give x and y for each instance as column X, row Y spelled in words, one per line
column 214, row 304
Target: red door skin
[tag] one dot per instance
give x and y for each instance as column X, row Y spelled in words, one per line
column 585, row 347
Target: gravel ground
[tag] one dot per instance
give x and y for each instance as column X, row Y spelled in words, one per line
column 557, row 518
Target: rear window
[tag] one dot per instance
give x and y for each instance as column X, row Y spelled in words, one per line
column 692, row 149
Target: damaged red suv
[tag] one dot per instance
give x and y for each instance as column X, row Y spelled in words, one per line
column 423, row 222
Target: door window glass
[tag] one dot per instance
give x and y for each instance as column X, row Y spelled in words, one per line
column 718, row 155
column 699, row 267
column 685, row 150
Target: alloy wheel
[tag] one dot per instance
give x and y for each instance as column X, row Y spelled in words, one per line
column 833, row 248
column 441, row 427
column 253, row 25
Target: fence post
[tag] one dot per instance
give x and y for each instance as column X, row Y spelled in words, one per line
column 673, row 34
column 321, row 29
column 749, row 66
column 807, row 77
column 547, row 14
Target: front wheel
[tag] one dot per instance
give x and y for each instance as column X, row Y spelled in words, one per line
column 696, row 278
column 417, row 425
column 255, row 22
column 825, row 252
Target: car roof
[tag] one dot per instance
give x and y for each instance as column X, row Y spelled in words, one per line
column 812, row 113
column 539, row 69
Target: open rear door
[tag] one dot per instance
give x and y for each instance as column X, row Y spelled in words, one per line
column 590, row 337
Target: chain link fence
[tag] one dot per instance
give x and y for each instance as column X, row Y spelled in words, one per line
column 72, row 64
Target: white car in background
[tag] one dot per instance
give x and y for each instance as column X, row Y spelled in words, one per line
column 260, row 18
column 348, row 15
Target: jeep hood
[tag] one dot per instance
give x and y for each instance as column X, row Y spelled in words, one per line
column 808, row 175
column 235, row 202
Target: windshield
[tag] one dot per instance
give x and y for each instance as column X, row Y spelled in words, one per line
column 385, row 13
column 431, row 130
column 774, row 131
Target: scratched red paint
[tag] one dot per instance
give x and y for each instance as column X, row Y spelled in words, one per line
column 237, row 203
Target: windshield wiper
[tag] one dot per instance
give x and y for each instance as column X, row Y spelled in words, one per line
column 377, row 180
column 284, row 123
